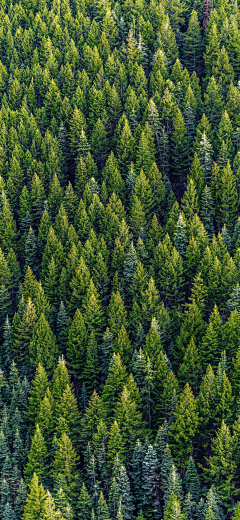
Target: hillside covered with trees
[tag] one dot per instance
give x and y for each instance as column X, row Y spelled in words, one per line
column 119, row 260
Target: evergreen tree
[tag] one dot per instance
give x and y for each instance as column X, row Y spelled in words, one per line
column 102, row 508
column 129, row 420
column 65, row 462
column 180, row 237
column 76, row 345
column 150, row 480
column 173, row 509
column 35, row 504
column 185, row 425
column 191, row 480
column 115, row 445
column 221, row 465
column 174, row 485
column 37, row 458
column 130, row 264
column 43, row 348
column 113, row 499
column 127, row 506
column 84, row 504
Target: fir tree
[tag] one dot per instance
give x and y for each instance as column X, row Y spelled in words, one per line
column 150, row 480
column 43, row 348
column 113, row 499
column 127, row 506
column 37, row 458
column 180, row 237
column 35, row 504
column 185, row 425
column 174, row 485
column 84, row 504
column 173, row 509
column 191, row 480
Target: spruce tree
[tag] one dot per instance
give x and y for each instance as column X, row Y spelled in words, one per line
column 115, row 445
column 65, row 462
column 102, row 508
column 76, row 345
column 174, row 485
column 37, row 458
column 31, row 252
column 150, row 480
column 43, row 348
column 84, row 504
column 180, row 237
column 130, row 264
column 222, row 466
column 185, row 425
column 113, row 499
column 127, row 506
column 173, row 509
column 35, row 504
column 192, row 481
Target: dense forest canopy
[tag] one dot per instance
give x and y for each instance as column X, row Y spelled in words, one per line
column 119, row 260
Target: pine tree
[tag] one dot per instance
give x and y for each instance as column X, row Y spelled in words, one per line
column 150, row 480
column 191, row 480
column 35, row 504
column 31, row 252
column 127, row 506
column 106, row 350
column 173, row 509
column 8, row 513
column 37, row 391
column 214, row 502
column 65, row 462
column 197, row 174
column 62, row 327
column 90, row 370
column 130, row 264
column 43, row 348
column 206, row 404
column 179, row 145
column 37, row 458
column 190, row 200
column 136, row 472
column 153, row 342
column 174, row 485
column 116, row 379
column 192, row 44
column 180, row 237
column 204, row 152
column 84, row 504
column 190, row 369
column 95, row 411
column 6, row 354
column 113, row 499
column 207, row 210
column 189, row 506
column 227, row 199
column 66, row 408
column 102, row 508
column 161, row 440
column 76, row 345
column 115, row 445
column 22, row 332
column 129, row 420
column 185, row 425
column 222, row 466
column 117, row 314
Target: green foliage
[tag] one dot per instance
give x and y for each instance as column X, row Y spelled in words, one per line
column 120, row 252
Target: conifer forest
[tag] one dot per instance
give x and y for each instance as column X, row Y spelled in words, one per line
column 119, row 260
